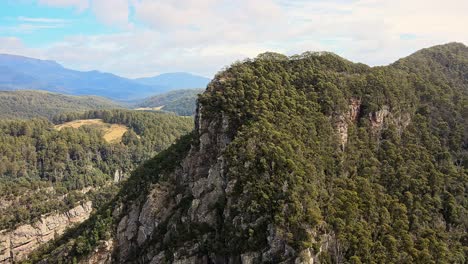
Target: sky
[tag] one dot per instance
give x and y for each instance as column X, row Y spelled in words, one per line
column 138, row 38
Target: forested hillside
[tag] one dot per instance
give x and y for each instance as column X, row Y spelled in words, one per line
column 302, row 159
column 39, row 163
column 181, row 102
column 30, row 104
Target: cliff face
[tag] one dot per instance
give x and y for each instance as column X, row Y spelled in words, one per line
column 15, row 245
column 186, row 202
column 308, row 159
column 197, row 200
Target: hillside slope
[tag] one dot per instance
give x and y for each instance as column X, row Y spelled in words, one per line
column 175, row 80
column 181, row 102
column 29, row 104
column 302, row 159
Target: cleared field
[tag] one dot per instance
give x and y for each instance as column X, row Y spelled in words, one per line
column 112, row 132
column 150, row 108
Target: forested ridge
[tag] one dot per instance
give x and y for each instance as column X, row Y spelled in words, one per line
column 33, row 104
column 38, row 163
column 181, row 102
column 397, row 193
column 311, row 158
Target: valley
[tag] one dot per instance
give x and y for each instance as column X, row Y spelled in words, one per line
column 35, row 103
column 53, row 176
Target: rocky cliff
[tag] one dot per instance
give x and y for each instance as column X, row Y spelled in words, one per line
column 306, row 159
column 15, row 245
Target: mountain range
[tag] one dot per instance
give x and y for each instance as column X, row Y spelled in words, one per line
column 19, row 73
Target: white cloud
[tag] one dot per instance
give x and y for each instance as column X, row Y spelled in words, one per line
column 111, row 12
column 202, row 36
column 41, row 20
column 26, row 25
column 13, row 45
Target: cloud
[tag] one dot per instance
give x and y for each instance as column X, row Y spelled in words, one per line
column 31, row 24
column 202, row 36
column 13, row 45
column 111, row 12
column 41, row 20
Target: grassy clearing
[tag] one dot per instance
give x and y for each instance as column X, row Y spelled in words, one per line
column 158, row 108
column 112, row 132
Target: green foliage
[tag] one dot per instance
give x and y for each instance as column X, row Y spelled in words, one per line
column 181, row 102
column 40, row 164
column 395, row 194
column 79, row 241
column 30, row 104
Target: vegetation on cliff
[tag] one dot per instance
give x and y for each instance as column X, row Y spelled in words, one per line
column 397, row 193
column 351, row 163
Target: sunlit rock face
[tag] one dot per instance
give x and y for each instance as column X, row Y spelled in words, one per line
column 17, row 244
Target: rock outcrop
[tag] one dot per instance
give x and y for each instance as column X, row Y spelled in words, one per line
column 344, row 120
column 15, row 245
column 201, row 184
column 101, row 254
column 118, row 176
column 193, row 202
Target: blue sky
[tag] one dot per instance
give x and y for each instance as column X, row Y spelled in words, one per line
column 137, row 38
column 39, row 25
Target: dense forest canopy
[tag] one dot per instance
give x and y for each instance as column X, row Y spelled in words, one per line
column 397, row 193
column 35, row 156
column 344, row 162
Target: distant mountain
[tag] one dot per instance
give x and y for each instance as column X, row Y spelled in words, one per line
column 182, row 102
column 28, row 104
column 175, row 80
column 23, row 73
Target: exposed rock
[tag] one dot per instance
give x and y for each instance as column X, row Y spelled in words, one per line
column 118, row 176
column 377, row 118
column 305, row 257
column 5, row 246
column 158, row 258
column 344, row 120
column 250, row 258
column 203, row 182
column 277, row 246
column 138, row 225
column 15, row 245
column 101, row 254
column 384, row 116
